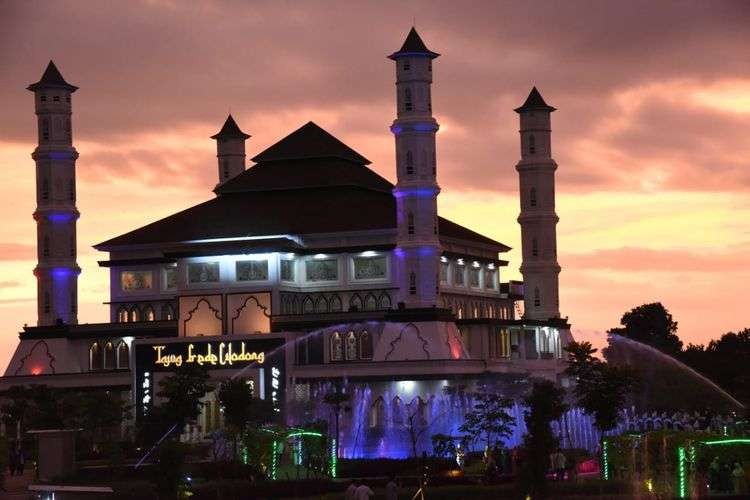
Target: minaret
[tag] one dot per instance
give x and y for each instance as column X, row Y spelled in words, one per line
column 417, row 245
column 538, row 219
column 56, row 213
column 230, row 150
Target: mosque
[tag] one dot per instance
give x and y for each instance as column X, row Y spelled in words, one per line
column 304, row 272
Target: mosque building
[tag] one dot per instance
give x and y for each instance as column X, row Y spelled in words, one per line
column 305, row 272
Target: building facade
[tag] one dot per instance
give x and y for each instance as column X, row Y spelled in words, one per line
column 305, row 272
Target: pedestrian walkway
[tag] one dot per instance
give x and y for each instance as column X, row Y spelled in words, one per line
column 17, row 486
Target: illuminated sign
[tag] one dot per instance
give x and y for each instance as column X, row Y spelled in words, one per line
column 225, row 356
column 262, row 356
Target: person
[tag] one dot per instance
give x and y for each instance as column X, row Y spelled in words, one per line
column 363, row 492
column 21, row 460
column 460, row 456
column 391, row 489
column 12, row 460
column 738, row 479
column 351, row 490
column 560, row 464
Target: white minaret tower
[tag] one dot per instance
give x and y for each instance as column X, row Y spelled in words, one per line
column 538, row 219
column 417, row 245
column 230, row 150
column 56, row 214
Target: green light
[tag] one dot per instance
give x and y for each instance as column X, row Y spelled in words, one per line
column 682, row 476
column 334, row 458
column 304, row 433
column 605, row 460
column 727, row 441
column 274, row 460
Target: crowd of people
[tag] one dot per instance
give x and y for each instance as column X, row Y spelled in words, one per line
column 358, row 490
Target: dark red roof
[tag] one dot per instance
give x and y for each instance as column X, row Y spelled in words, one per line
column 413, row 46
column 534, row 101
column 310, row 141
column 290, row 192
column 52, row 79
column 230, row 130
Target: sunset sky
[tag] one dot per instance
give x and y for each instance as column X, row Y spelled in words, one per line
column 651, row 132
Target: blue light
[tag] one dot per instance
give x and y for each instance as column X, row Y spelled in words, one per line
column 401, row 192
column 62, row 272
column 414, row 127
column 60, row 217
column 59, row 155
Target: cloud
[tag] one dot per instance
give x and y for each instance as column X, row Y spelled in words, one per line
column 646, row 260
column 17, row 251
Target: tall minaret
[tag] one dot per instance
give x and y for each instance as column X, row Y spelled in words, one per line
column 230, row 150
column 56, row 213
column 417, row 245
column 538, row 218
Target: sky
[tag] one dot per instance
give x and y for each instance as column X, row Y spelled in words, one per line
column 651, row 132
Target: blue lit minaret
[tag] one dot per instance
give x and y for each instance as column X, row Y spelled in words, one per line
column 56, row 213
column 417, row 245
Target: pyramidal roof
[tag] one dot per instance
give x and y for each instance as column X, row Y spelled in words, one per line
column 230, row 130
column 534, row 101
column 413, row 45
column 307, row 142
column 52, row 79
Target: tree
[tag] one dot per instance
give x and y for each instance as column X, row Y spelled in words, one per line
column 183, row 391
column 337, row 401
column 240, row 408
column 16, row 408
column 601, row 389
column 443, row 445
column 489, row 419
column 724, row 361
column 545, row 404
column 650, row 324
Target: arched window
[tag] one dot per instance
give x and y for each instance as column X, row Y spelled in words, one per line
column 532, row 197
column 397, row 412
column 95, row 357
column 385, row 301
column 148, row 314
column 351, row 346
column 109, row 356
column 410, row 223
column 337, row 347
column 321, row 305
column 534, row 247
column 532, row 144
column 45, row 189
column 537, row 297
column 135, row 314
column 355, row 303
column 413, row 283
column 371, row 302
column 377, row 413
column 335, row 304
column 45, row 129
column 45, row 246
column 122, row 315
column 308, row 306
column 407, row 99
column 409, row 163
column 365, row 345
column 407, row 65
column 123, row 356
column 167, row 313
column 418, row 412
column 460, row 312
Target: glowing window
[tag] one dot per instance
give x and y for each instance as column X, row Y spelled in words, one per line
column 148, row 314
column 122, row 315
column 167, row 312
column 109, row 356
column 136, row 280
column 95, row 357
column 337, row 347
column 351, row 346
column 135, row 314
column 123, row 356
